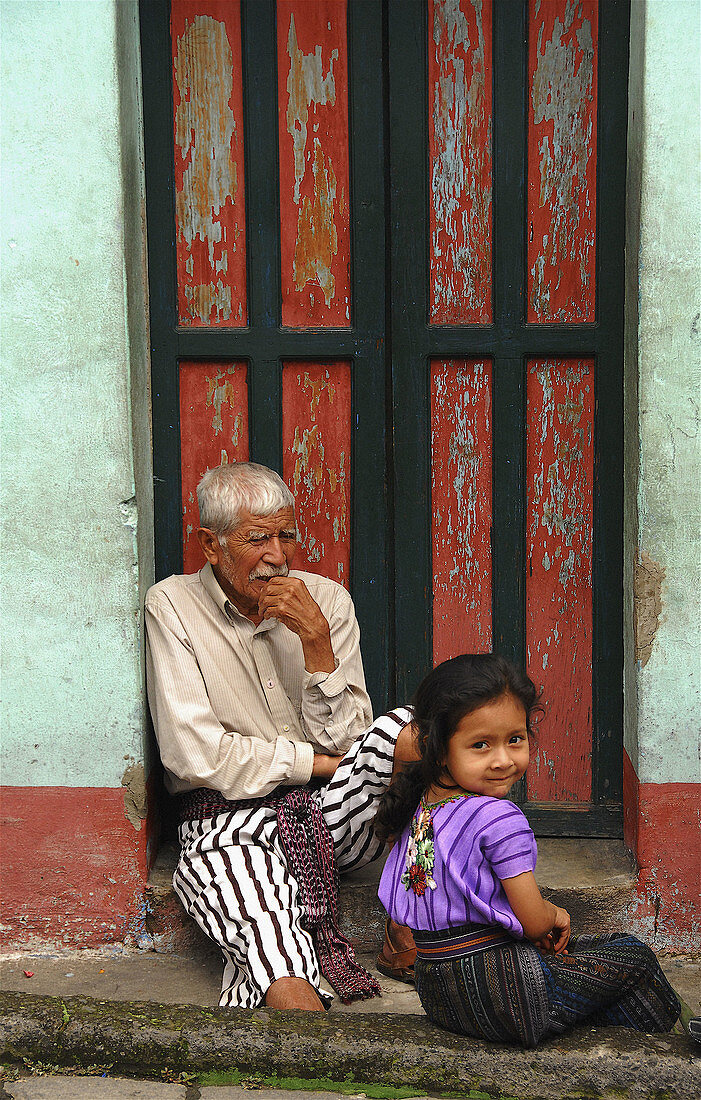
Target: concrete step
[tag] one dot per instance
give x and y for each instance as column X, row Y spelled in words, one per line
column 593, row 879
column 344, row 1051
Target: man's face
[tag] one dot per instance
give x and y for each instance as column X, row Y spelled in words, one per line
column 258, row 549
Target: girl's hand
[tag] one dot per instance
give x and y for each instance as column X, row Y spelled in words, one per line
column 555, row 941
column 543, row 923
column 560, row 931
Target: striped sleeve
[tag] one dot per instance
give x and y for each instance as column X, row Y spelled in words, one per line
column 507, row 841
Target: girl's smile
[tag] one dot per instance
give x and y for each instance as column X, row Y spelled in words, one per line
column 489, row 750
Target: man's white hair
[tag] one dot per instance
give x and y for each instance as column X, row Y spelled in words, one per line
column 227, row 491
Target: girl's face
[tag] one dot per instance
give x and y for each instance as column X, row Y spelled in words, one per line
column 488, row 752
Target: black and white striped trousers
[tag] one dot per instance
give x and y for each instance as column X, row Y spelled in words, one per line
column 233, row 878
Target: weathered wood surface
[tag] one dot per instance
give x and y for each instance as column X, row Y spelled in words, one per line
column 209, row 172
column 560, row 479
column 562, row 136
column 461, row 507
column 460, row 160
column 314, row 163
column 214, row 429
column 316, row 440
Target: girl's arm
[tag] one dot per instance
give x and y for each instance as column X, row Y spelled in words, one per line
column 544, row 924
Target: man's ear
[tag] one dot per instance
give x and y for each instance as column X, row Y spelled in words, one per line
column 209, row 542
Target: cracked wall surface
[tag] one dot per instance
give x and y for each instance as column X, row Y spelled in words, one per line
column 664, row 367
column 72, row 683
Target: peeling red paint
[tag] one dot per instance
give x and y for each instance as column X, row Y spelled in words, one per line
column 316, row 435
column 461, row 507
column 84, row 883
column 209, row 181
column 562, row 135
column 560, row 478
column 460, row 160
column 314, row 162
column 213, row 429
column 662, row 825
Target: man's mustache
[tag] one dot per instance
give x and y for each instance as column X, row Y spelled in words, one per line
column 274, row 571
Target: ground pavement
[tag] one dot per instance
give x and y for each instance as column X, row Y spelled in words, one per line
column 144, row 1023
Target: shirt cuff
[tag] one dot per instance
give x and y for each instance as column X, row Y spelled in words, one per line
column 301, row 771
column 329, row 683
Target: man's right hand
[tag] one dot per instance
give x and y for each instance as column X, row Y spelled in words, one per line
column 324, row 766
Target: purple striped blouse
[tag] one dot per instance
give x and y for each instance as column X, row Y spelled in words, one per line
column 477, row 840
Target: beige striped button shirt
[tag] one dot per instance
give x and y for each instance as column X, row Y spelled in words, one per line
column 233, row 706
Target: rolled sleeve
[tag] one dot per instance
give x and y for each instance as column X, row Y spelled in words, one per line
column 301, row 773
column 329, row 684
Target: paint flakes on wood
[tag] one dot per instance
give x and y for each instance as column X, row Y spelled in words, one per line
column 316, row 404
column 213, row 429
column 461, row 497
column 314, row 162
column 562, row 160
column 460, row 144
column 209, row 193
column 560, row 477
column 648, row 576
column 317, row 241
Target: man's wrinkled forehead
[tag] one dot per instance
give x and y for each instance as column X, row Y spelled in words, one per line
column 283, row 520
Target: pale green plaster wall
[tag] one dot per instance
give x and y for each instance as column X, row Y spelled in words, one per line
column 73, row 361
column 663, row 391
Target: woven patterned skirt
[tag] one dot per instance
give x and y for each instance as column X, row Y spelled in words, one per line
column 511, row 992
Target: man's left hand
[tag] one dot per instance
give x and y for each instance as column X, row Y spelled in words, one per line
column 289, row 600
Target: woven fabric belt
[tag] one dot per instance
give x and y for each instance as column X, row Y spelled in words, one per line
column 201, row 803
column 450, row 943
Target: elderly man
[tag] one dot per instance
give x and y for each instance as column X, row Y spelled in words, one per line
column 258, row 699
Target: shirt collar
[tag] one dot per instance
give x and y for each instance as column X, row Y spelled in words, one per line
column 215, row 590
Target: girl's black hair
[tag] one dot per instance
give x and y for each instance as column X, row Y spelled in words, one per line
column 452, row 690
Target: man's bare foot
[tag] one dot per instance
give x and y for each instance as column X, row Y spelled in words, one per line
column 293, row 993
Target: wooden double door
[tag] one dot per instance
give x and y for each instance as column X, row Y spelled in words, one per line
column 386, row 259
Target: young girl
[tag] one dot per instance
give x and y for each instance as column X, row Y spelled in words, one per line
column 494, row 958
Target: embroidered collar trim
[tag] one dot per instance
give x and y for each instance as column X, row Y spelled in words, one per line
column 420, row 853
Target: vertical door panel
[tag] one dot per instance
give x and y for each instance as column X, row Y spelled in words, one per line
column 314, row 162
column 560, row 480
column 213, row 429
column 461, row 507
column 316, row 437
column 460, row 161
column 208, row 163
column 562, row 154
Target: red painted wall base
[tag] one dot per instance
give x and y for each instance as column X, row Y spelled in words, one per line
column 74, row 868
column 662, row 823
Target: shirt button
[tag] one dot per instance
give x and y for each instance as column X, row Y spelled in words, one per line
column 271, row 683
column 285, row 729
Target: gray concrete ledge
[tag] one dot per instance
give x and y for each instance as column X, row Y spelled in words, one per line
column 142, row 1038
